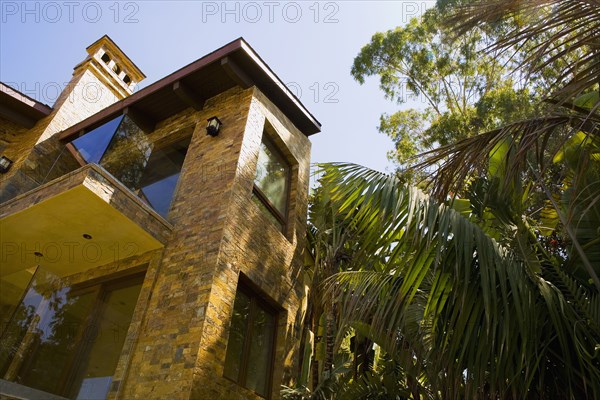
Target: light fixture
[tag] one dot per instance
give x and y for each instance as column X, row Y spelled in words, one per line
column 213, row 126
column 5, row 164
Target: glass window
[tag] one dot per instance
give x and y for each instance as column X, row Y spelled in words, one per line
column 12, row 288
column 92, row 145
column 161, row 174
column 67, row 340
column 251, row 340
column 125, row 151
column 272, row 180
column 127, row 154
column 95, row 372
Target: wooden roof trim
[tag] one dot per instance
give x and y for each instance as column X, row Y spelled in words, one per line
column 269, row 72
column 116, row 108
column 25, row 100
column 169, row 81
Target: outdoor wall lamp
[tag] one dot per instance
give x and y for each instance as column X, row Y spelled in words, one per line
column 5, row 164
column 213, row 126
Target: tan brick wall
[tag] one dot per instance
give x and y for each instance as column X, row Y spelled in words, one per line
column 218, row 233
column 254, row 246
column 15, row 142
column 85, row 95
column 167, row 352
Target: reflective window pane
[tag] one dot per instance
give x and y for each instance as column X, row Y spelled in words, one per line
column 23, row 319
column 237, row 336
column 259, row 365
column 159, row 181
column 160, row 193
column 107, row 337
column 250, row 345
column 125, row 151
column 93, row 144
column 12, row 288
column 67, row 340
column 272, row 173
column 127, row 154
column 48, row 345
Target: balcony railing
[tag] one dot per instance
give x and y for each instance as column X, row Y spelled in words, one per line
column 151, row 170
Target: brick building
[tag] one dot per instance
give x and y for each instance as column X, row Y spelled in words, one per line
column 149, row 250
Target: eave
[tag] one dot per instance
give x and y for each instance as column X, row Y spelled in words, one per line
column 20, row 108
column 236, row 63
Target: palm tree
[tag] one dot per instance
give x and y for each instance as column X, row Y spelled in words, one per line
column 488, row 287
column 329, row 247
column 464, row 316
column 563, row 35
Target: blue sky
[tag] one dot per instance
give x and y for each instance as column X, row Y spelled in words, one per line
column 310, row 45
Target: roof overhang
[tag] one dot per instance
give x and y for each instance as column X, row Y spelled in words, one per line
column 236, row 63
column 19, row 108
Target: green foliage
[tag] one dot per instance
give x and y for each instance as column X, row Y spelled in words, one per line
column 459, row 90
column 465, row 316
column 489, row 288
column 579, row 204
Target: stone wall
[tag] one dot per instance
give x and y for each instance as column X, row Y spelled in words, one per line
column 168, row 349
column 220, row 233
column 254, row 246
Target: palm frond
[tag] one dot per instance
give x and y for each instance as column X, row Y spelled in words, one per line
column 529, row 140
column 551, row 30
column 480, row 322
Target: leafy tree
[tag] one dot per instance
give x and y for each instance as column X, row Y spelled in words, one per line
column 555, row 153
column 457, row 90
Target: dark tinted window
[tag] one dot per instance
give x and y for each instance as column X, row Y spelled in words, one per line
column 271, row 181
column 249, row 359
column 93, row 144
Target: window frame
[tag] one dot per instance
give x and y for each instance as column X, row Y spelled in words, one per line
column 83, row 347
column 282, row 218
column 257, row 301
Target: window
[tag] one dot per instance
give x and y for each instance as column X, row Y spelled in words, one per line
column 249, row 359
column 67, row 340
column 271, row 183
column 151, row 170
column 159, row 180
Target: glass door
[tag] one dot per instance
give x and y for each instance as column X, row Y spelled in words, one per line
column 67, row 340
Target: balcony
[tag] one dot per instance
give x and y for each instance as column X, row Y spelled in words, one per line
column 101, row 197
column 84, row 219
column 147, row 168
column 81, row 220
column 72, row 207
